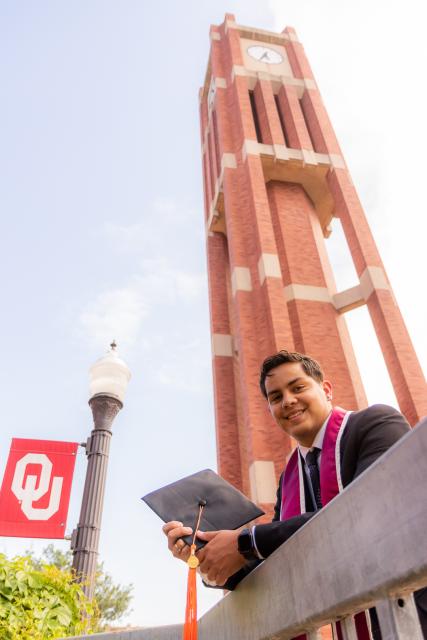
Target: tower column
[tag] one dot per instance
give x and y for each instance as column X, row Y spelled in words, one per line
column 308, row 291
column 228, row 447
column 402, row 363
column 206, row 158
column 264, row 325
column 271, row 129
column 263, row 446
column 253, row 208
column 293, row 118
column 319, row 126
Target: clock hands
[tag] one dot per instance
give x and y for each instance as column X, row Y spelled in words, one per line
column 265, row 54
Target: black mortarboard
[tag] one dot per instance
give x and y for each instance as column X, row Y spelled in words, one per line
column 224, row 506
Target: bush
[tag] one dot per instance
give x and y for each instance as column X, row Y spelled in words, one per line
column 40, row 603
column 112, row 600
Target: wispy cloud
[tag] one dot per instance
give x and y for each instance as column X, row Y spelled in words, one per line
column 186, row 369
column 119, row 313
column 162, row 276
column 162, row 219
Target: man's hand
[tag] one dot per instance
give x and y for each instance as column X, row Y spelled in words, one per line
column 174, row 530
column 219, row 559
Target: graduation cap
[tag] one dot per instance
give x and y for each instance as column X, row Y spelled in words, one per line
column 202, row 501
column 224, row 506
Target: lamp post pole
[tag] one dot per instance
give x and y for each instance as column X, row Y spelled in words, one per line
column 109, row 378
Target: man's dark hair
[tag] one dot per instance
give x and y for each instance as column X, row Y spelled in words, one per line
column 311, row 367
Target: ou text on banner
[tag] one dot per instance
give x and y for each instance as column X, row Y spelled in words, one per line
column 35, row 493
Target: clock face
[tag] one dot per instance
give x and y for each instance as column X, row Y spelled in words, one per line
column 265, row 54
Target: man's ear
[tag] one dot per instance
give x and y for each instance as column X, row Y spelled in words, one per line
column 327, row 388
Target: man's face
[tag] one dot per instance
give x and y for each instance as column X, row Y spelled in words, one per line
column 298, row 403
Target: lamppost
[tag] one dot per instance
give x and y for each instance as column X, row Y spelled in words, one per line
column 109, row 377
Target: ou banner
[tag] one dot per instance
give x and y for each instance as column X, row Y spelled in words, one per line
column 36, row 488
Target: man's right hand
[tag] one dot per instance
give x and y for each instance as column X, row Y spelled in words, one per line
column 174, row 531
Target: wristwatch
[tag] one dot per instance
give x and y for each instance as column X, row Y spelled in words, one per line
column 245, row 545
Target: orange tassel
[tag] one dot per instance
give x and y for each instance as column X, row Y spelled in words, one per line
column 190, row 624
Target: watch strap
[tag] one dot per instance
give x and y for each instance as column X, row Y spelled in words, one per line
column 245, row 545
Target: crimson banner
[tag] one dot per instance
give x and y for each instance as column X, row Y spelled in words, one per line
column 36, row 488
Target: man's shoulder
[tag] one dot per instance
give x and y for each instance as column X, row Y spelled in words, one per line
column 374, row 413
column 369, row 433
column 377, row 416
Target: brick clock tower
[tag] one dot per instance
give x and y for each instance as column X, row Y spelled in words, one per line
column 274, row 177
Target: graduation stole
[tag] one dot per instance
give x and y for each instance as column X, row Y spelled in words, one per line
column 293, row 494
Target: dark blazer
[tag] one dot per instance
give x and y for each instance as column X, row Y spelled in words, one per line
column 369, row 433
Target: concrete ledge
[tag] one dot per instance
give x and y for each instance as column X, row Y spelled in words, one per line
column 262, row 34
column 367, row 544
column 280, row 152
column 269, row 266
column 348, row 299
column 263, row 481
column 228, row 161
column 337, row 161
column 241, row 280
column 221, row 83
column 371, row 279
column 306, row 292
column 310, row 83
column 169, row 632
column 222, row 344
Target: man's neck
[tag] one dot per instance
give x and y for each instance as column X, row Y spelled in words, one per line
column 317, row 439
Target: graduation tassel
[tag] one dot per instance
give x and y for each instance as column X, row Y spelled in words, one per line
column 190, row 624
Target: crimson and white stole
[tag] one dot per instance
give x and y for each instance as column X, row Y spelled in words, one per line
column 293, row 495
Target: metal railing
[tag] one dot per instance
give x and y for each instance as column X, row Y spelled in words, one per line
column 367, row 547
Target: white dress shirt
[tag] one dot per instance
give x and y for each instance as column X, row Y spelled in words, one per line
column 318, row 443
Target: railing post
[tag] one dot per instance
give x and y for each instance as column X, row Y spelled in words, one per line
column 348, row 628
column 398, row 619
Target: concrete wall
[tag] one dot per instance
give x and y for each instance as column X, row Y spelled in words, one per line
column 169, row 632
column 368, row 546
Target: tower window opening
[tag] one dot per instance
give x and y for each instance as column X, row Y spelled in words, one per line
column 311, row 134
column 281, row 119
column 255, row 116
column 212, row 167
column 205, row 184
column 216, row 142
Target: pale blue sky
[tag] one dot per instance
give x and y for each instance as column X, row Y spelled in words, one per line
column 102, row 228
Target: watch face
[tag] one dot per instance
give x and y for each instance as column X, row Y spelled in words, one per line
column 244, row 541
column 245, row 545
column 265, row 54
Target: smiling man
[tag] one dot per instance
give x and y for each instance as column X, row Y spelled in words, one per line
column 334, row 447
column 298, row 396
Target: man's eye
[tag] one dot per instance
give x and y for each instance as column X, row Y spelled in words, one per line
column 299, row 387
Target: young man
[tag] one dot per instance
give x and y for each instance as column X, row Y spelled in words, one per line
column 334, row 447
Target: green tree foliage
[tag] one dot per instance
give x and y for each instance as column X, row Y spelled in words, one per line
column 113, row 600
column 40, row 602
